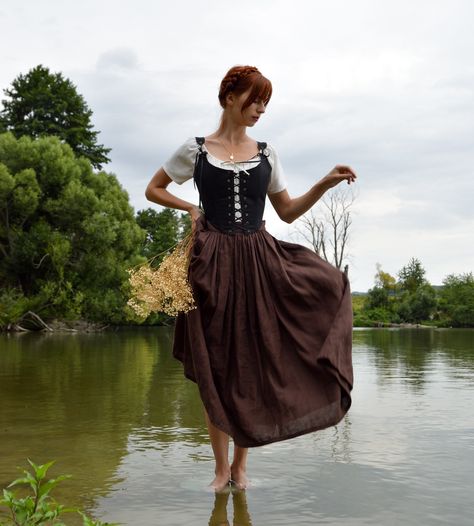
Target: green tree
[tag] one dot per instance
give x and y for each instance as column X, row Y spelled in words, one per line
column 412, row 275
column 67, row 234
column 377, row 297
column 417, row 306
column 457, row 300
column 416, row 298
column 163, row 230
column 43, row 103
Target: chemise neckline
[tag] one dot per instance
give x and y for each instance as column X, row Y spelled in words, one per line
column 230, row 169
column 221, row 161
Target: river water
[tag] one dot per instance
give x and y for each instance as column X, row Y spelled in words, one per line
column 115, row 411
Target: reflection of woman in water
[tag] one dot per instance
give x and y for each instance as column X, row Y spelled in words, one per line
column 270, row 342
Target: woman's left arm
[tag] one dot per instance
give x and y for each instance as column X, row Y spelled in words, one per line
column 290, row 209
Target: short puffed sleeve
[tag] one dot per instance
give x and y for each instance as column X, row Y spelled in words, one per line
column 278, row 179
column 180, row 166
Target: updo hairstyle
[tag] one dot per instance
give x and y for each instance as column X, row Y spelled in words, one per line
column 241, row 78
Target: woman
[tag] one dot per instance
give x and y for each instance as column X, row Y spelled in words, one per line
column 270, row 342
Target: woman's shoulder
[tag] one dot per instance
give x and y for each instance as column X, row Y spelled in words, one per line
column 188, row 148
column 269, row 145
column 270, row 151
column 191, row 143
column 180, row 165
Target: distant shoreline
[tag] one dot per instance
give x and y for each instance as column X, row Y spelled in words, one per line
column 405, row 325
column 34, row 323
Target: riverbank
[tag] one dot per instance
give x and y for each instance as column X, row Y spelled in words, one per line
column 31, row 321
column 405, row 325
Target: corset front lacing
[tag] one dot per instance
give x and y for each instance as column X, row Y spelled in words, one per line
column 235, row 192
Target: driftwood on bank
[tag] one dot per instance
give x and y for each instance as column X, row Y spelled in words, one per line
column 30, row 321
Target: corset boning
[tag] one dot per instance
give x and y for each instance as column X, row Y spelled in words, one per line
column 232, row 200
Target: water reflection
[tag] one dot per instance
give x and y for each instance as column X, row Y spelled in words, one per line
column 220, row 512
column 115, row 411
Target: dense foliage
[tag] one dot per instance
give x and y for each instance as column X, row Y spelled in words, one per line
column 67, row 234
column 413, row 299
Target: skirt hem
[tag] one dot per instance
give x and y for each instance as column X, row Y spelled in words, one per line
column 345, row 405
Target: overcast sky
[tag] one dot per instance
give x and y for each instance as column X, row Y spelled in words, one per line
column 386, row 87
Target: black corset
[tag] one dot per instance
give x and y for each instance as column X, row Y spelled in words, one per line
column 232, row 200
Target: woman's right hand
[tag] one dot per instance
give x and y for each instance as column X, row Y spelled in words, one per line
column 339, row 173
column 195, row 213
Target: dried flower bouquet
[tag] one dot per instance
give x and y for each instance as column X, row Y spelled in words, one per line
column 165, row 288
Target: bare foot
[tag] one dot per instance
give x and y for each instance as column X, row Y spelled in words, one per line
column 239, row 478
column 221, row 480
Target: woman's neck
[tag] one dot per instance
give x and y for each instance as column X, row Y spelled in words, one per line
column 231, row 132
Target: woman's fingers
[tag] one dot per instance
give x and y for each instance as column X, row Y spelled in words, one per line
column 347, row 172
column 343, row 168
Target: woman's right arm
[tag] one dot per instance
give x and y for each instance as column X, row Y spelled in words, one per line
column 157, row 193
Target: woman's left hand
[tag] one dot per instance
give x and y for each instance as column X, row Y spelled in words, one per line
column 340, row 173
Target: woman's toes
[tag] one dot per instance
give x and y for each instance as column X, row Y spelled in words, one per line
column 220, row 482
column 239, row 479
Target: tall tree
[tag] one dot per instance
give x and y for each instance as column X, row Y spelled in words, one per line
column 412, row 275
column 328, row 233
column 43, row 103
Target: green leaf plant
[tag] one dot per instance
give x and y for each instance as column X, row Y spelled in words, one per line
column 38, row 507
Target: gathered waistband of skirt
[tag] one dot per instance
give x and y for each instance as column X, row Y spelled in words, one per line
column 205, row 224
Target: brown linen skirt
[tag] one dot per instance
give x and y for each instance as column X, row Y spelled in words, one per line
column 270, row 343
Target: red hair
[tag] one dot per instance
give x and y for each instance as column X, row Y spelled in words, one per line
column 241, row 78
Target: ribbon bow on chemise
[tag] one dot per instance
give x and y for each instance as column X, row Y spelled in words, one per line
column 236, row 163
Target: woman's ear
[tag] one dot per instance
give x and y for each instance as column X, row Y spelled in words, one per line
column 230, row 98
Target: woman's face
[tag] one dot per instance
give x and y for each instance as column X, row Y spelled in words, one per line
column 251, row 114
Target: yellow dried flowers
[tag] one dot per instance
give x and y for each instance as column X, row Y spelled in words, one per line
column 165, row 288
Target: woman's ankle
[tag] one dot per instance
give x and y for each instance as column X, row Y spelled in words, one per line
column 222, row 470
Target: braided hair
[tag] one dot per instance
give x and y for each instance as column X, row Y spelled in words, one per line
column 241, row 78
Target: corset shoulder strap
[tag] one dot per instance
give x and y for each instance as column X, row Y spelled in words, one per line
column 200, row 141
column 262, row 146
